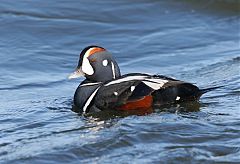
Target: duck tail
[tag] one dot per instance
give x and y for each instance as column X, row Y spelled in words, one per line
column 202, row 91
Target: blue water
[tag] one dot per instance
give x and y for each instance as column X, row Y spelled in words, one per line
column 195, row 41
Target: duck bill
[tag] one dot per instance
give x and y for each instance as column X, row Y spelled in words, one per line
column 77, row 73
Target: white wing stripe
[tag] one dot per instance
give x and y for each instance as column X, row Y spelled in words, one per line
column 128, row 78
column 89, row 100
column 160, row 81
column 155, row 83
column 152, row 85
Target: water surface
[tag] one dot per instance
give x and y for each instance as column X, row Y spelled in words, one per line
column 190, row 40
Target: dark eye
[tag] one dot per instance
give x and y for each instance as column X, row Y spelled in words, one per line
column 93, row 60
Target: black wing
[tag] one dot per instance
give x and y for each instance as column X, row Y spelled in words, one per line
column 116, row 95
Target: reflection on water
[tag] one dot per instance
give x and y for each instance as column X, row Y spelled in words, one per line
column 196, row 41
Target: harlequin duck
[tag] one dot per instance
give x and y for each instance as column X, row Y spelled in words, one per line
column 106, row 89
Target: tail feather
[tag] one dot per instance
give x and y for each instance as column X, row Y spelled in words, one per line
column 202, row 91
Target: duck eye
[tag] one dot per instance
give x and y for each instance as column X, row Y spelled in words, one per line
column 104, row 63
column 93, row 60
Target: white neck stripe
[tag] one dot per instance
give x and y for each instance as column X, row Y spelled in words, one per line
column 89, row 100
column 113, row 70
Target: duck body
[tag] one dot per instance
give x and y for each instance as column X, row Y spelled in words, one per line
column 106, row 89
column 132, row 92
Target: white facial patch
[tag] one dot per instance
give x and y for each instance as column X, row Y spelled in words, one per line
column 115, row 93
column 104, row 63
column 86, row 66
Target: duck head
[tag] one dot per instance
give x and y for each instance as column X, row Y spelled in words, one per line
column 96, row 64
